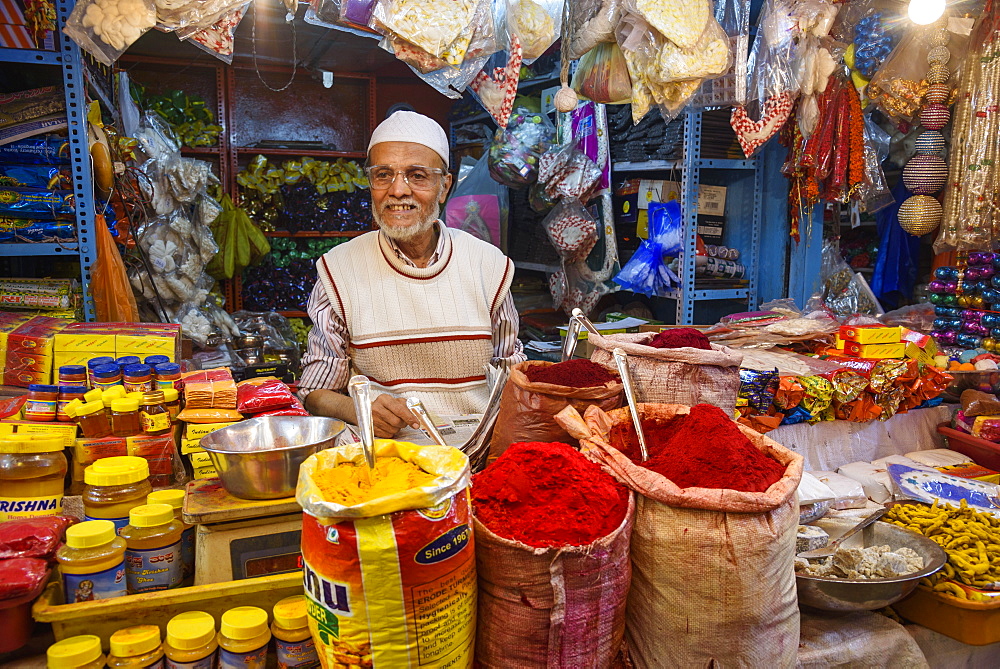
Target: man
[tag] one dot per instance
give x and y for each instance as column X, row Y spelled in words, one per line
column 416, row 307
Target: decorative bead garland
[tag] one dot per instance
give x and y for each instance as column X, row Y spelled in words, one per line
column 926, row 173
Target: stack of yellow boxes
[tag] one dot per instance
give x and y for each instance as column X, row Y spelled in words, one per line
column 883, row 341
column 79, row 342
column 201, row 462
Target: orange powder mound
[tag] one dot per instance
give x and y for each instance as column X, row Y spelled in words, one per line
column 347, row 484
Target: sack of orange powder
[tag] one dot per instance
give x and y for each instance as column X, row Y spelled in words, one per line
column 711, row 566
column 527, row 409
column 391, row 580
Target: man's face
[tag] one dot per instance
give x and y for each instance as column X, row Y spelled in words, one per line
column 400, row 211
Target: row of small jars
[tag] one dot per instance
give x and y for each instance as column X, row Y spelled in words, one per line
column 243, row 640
column 156, row 371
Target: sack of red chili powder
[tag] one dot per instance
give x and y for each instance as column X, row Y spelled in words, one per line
column 684, row 375
column 552, row 557
column 712, row 567
column 528, row 407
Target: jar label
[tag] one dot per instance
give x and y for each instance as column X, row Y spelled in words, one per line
column 187, row 553
column 153, row 569
column 105, row 584
column 12, row 508
column 119, row 523
column 296, row 654
column 138, row 387
column 40, row 407
column 255, row 659
column 207, row 662
column 156, row 422
column 104, row 385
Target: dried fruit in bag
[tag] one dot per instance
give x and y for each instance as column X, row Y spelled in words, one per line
column 533, row 25
column 432, row 25
column 680, row 21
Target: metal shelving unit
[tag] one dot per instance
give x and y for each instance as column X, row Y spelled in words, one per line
column 739, row 177
column 67, row 55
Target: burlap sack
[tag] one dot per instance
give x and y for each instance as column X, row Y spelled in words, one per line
column 527, row 410
column 713, row 574
column 547, row 607
column 686, row 376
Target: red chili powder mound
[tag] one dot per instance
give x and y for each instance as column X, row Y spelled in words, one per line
column 703, row 449
column 576, row 373
column 548, row 495
column 678, row 337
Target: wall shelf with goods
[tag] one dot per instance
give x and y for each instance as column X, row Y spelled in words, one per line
column 67, row 58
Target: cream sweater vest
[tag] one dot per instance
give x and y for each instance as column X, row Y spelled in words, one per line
column 424, row 332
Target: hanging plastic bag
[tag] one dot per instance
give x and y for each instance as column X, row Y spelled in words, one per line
column 432, row 25
column 567, row 172
column 496, row 86
column 646, row 272
column 193, row 15
column 219, row 38
column 576, row 286
column 106, row 28
column 536, row 23
column 516, row 149
column 592, row 22
column 479, row 205
column 571, row 230
column 113, row 298
column 602, row 75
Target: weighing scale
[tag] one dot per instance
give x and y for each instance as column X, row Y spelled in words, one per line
column 241, row 538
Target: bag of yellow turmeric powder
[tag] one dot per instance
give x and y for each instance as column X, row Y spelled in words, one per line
column 389, row 563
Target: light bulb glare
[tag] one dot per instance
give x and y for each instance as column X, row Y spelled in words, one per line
column 925, row 12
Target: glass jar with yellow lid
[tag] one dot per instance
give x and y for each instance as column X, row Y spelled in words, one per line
column 191, row 641
column 153, row 548
column 175, row 498
column 32, row 472
column 243, row 638
column 114, row 486
column 76, row 652
column 293, row 643
column 92, row 562
column 137, row 646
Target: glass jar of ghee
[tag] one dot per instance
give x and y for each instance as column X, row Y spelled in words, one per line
column 114, row 486
column 76, row 652
column 32, row 472
column 92, row 562
column 175, row 499
column 243, row 638
column 137, row 646
column 293, row 644
column 191, row 642
column 153, row 548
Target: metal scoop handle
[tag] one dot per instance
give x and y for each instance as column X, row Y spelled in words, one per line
column 361, row 392
column 572, row 338
column 621, row 361
column 585, row 322
column 416, row 407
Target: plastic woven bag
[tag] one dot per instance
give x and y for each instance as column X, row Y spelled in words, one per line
column 109, row 284
column 479, row 205
column 646, row 272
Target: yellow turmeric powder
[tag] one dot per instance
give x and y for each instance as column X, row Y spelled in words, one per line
column 347, row 484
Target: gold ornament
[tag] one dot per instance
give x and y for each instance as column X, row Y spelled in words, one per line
column 920, row 215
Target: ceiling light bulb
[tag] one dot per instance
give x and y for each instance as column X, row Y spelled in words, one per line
column 925, row 12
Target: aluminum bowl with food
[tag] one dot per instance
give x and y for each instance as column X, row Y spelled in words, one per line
column 260, row 458
column 846, row 595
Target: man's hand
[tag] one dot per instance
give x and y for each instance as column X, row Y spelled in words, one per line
column 390, row 415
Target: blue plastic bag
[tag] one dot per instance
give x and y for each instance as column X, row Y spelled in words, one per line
column 646, row 272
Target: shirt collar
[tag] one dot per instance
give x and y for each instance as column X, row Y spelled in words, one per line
column 438, row 251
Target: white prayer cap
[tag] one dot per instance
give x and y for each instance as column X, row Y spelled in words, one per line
column 408, row 126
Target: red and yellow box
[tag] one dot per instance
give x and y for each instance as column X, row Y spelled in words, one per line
column 875, row 351
column 870, row 334
column 971, row 470
column 925, row 342
column 915, row 352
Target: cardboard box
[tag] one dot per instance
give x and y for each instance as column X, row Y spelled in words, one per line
column 971, row 470
column 199, row 430
column 65, row 430
column 87, row 451
column 925, row 342
column 880, row 351
column 870, row 334
column 97, row 344
column 36, row 336
column 147, row 344
column 205, row 473
column 191, row 446
column 200, row 460
column 711, row 228
column 838, row 343
column 73, row 358
column 711, row 200
column 916, row 353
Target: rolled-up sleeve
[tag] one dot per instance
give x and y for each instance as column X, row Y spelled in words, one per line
column 325, row 364
column 507, row 348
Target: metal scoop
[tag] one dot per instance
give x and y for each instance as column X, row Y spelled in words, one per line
column 585, row 322
column 833, row 546
column 416, row 407
column 621, row 361
column 572, row 338
column 361, row 392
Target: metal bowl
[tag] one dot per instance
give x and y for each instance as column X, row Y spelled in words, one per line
column 260, row 458
column 987, row 381
column 846, row 595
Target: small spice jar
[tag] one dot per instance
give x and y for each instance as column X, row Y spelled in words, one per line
column 97, row 362
column 66, row 395
column 138, row 378
column 42, row 403
column 153, row 416
column 127, row 360
column 172, row 400
column 72, row 375
column 125, row 417
column 93, row 421
column 105, row 376
column 153, row 360
column 167, row 373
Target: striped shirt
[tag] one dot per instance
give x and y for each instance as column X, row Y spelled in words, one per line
column 327, row 365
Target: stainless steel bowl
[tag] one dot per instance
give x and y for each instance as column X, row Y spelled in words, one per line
column 260, row 458
column 845, row 595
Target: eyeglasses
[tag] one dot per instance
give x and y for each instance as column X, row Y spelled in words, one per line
column 417, row 177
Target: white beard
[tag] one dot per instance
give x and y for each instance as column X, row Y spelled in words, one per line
column 411, row 232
